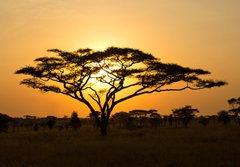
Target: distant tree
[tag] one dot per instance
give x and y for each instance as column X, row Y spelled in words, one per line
column 235, row 108
column 213, row 118
column 170, row 119
column 29, row 121
column 100, row 76
column 4, row 120
column 142, row 116
column 51, row 121
column 224, row 117
column 155, row 115
column 75, row 122
column 165, row 120
column 138, row 113
column 122, row 118
column 204, row 120
column 185, row 114
column 92, row 118
column 155, row 119
column 137, row 117
column 30, row 117
column 234, row 102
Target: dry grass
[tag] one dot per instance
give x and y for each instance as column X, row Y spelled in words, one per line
column 195, row 146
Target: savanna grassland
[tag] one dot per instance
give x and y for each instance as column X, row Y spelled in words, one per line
column 214, row 145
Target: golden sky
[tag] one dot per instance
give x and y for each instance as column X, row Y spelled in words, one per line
column 195, row 33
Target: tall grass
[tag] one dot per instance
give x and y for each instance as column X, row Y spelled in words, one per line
column 171, row 147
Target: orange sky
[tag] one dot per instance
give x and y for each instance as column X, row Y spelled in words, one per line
column 199, row 34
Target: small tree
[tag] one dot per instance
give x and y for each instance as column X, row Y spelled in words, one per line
column 75, row 122
column 93, row 120
column 234, row 102
column 155, row 119
column 203, row 120
column 223, row 117
column 142, row 116
column 4, row 120
column 122, row 118
column 98, row 78
column 185, row 114
column 235, row 108
column 170, row 119
column 51, row 121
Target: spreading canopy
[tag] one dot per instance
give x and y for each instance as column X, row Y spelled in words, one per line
column 100, row 76
column 235, row 103
column 186, row 114
column 186, row 111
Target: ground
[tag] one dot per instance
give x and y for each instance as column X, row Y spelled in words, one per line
column 170, row 147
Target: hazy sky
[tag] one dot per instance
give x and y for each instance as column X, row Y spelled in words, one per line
column 195, row 33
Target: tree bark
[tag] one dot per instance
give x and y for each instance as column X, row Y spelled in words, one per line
column 103, row 128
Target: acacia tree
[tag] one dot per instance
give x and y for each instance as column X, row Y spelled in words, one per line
column 234, row 102
column 122, row 118
column 204, row 120
column 224, row 117
column 235, row 108
column 75, row 122
column 51, row 121
column 185, row 114
column 141, row 116
column 103, row 79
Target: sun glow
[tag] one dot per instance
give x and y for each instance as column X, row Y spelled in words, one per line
column 104, row 76
column 100, row 46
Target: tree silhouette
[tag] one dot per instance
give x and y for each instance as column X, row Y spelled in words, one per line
column 185, row 114
column 235, row 108
column 4, row 120
column 204, row 120
column 98, row 78
column 122, row 118
column 142, row 116
column 75, row 122
column 139, row 113
column 155, row 118
column 223, row 117
column 51, row 121
column 92, row 117
column 170, row 119
column 234, row 102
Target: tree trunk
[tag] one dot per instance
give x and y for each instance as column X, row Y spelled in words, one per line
column 185, row 124
column 103, row 128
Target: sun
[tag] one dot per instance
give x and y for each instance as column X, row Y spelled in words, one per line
column 104, row 76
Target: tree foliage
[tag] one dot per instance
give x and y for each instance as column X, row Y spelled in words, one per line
column 51, row 121
column 75, row 122
column 143, row 113
column 4, row 120
column 137, row 118
column 224, row 117
column 235, row 108
column 185, row 114
column 235, row 105
column 204, row 120
column 235, row 102
column 122, row 118
column 101, row 77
